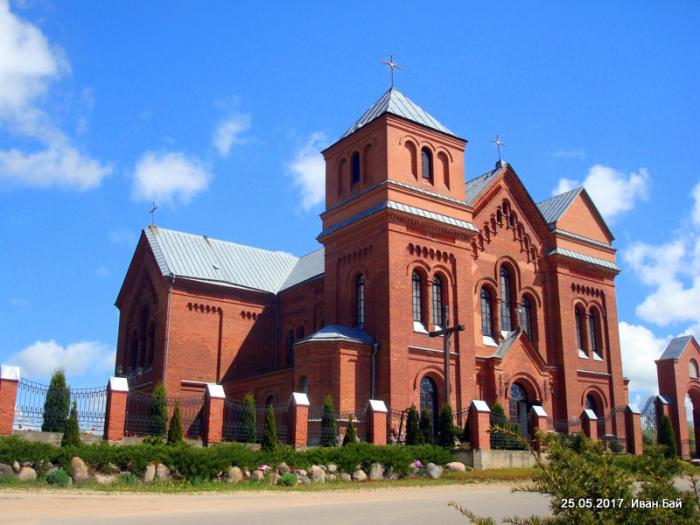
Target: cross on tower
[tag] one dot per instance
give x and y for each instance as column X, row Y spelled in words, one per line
column 499, row 144
column 446, row 333
column 393, row 66
column 153, row 210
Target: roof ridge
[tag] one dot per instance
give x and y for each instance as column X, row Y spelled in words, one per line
column 577, row 189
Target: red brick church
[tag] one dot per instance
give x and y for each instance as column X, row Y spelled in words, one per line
column 403, row 240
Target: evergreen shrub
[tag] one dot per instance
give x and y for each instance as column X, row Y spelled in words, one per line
column 71, row 434
column 350, row 436
column 667, row 437
column 249, row 423
column 445, row 431
column 413, row 432
column 175, row 434
column 426, row 426
column 57, row 403
column 269, row 440
column 329, row 425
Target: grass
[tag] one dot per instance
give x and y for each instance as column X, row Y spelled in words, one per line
column 448, row 478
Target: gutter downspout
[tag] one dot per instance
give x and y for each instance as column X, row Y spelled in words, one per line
column 375, row 347
column 167, row 330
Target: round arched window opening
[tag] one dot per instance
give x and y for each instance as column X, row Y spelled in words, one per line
column 693, row 369
column 590, row 404
column 303, row 385
column 428, row 395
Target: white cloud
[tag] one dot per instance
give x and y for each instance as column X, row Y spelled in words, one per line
column 309, row 172
column 228, row 133
column 576, row 153
column 28, row 66
column 696, row 207
column 42, row 358
column 640, row 347
column 612, row 191
column 164, row 176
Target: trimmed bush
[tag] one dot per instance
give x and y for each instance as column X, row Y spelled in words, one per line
column 288, row 480
column 249, row 423
column 175, row 435
column 616, row 446
column 71, row 434
column 269, row 439
column 58, row 477
column 413, row 432
column 329, row 425
column 57, row 404
column 667, row 437
column 445, row 433
column 426, row 426
column 350, row 434
column 159, row 412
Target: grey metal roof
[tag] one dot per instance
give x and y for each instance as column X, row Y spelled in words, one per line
column 552, row 209
column 505, row 345
column 405, row 208
column 396, row 103
column 307, row 267
column 335, row 332
column 584, row 258
column 582, row 238
column 675, row 347
column 206, row 259
column 477, row 186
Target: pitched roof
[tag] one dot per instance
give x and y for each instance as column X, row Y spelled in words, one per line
column 477, row 186
column 396, row 103
column 552, row 209
column 584, row 258
column 675, row 347
column 335, row 332
column 505, row 345
column 203, row 258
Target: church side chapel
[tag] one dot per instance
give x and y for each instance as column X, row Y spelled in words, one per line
column 411, row 257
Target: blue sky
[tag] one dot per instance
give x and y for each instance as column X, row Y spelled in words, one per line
column 218, row 110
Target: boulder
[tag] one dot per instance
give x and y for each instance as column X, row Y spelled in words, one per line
column 332, row 468
column 79, row 470
column 104, row 479
column 456, row 466
column 163, row 473
column 274, row 477
column 234, row 475
column 345, row 476
column 257, row 475
column 434, row 471
column 359, row 475
column 26, row 474
column 150, row 473
column 16, row 466
column 5, row 470
column 300, row 472
column 111, row 468
column 332, row 477
column 246, row 474
column 412, row 468
column 283, row 468
column 376, row 471
column 317, row 474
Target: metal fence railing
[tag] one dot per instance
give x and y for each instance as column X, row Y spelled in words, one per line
column 147, row 414
column 236, row 425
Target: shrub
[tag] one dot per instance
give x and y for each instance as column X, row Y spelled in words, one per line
column 616, row 446
column 667, row 437
column 57, row 404
column 71, row 434
column 445, row 433
column 350, row 434
column 175, row 435
column 506, row 438
column 269, row 439
column 159, row 411
column 249, row 422
column 288, row 480
column 58, row 477
column 426, row 426
column 466, row 432
column 413, row 433
column 329, row 425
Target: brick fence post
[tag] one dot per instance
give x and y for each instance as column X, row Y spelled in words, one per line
column 9, row 381
column 214, row 397
column 376, row 414
column 633, row 427
column 589, row 424
column 115, row 416
column 298, row 419
column 479, row 422
column 538, row 416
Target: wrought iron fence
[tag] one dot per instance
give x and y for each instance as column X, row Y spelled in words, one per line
column 148, row 415
column 40, row 408
column 688, row 449
column 506, row 440
column 236, row 427
column 565, row 426
column 319, row 434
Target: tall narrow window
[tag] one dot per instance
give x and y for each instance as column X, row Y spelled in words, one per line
column 151, row 345
column 437, row 301
column 355, row 167
column 579, row 328
column 693, row 369
column 360, row 300
column 426, row 164
column 486, row 321
column 593, row 332
column 417, row 298
column 506, row 303
column 300, row 332
column 526, row 316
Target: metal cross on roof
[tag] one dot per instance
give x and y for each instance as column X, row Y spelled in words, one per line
column 153, row 213
column 393, row 66
column 499, row 144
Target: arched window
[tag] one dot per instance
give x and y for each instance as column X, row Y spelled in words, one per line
column 506, row 302
column 270, row 400
column 437, row 301
column 300, row 332
column 593, row 332
column 590, row 404
column 417, row 298
column 486, row 318
column 444, row 163
column 290, row 346
column 526, row 316
column 360, row 300
column 355, row 168
column 694, row 371
column 517, row 392
column 150, row 349
column 579, row 328
column 426, row 159
column 428, row 397
column 412, row 158
column 303, row 385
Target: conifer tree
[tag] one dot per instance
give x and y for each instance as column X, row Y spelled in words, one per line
column 426, row 426
column 57, row 404
column 249, row 423
column 269, row 438
column 329, row 425
column 667, row 437
column 350, row 434
column 445, row 433
column 71, row 434
column 159, row 411
column 413, row 432
column 175, row 434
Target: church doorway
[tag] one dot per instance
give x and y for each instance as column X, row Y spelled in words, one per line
column 428, row 398
column 519, row 407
